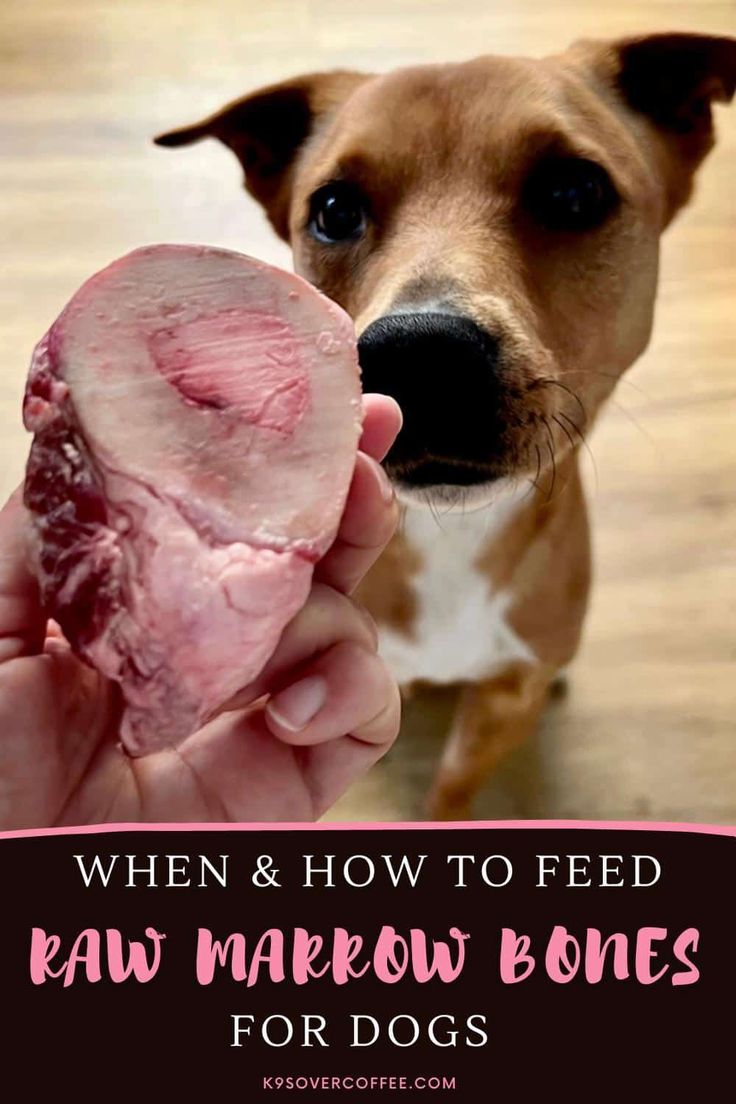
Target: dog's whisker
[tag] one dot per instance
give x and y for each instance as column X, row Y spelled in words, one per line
column 569, row 391
column 539, row 466
column 432, row 509
column 565, row 430
column 553, row 462
column 584, row 441
column 534, row 483
column 551, row 488
column 575, row 428
column 618, row 380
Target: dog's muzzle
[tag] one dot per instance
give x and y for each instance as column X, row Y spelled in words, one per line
column 444, row 371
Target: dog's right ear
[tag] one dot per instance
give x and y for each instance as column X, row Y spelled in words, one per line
column 266, row 129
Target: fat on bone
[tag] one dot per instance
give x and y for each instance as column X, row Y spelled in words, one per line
column 196, row 416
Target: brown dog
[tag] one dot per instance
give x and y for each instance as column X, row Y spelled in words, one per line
column 493, row 229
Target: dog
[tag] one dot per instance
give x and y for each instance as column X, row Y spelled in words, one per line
column 493, row 229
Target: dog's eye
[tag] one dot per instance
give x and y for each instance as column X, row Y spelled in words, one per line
column 570, row 194
column 337, row 212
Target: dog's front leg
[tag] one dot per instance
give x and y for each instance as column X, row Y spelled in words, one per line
column 493, row 717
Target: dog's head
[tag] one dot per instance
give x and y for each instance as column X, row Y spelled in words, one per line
column 491, row 226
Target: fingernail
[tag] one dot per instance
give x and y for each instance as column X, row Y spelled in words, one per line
column 384, row 483
column 296, row 706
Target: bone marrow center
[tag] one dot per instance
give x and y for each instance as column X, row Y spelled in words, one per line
column 240, row 359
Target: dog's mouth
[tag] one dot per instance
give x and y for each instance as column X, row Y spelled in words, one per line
column 445, row 484
column 429, row 473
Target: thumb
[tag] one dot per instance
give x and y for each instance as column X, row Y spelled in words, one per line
column 22, row 618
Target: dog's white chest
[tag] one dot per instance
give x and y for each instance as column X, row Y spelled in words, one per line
column 460, row 631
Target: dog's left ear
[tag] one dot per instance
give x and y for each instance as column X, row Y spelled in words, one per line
column 266, row 129
column 671, row 80
column 674, row 79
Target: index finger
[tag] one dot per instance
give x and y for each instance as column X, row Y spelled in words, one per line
column 382, row 420
column 371, row 511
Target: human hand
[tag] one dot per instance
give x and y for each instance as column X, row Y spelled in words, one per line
column 263, row 758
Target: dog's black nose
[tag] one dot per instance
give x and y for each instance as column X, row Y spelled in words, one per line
column 443, row 371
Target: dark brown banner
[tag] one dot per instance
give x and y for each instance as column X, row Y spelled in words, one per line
column 461, row 964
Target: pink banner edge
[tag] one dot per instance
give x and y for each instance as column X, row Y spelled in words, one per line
column 348, row 826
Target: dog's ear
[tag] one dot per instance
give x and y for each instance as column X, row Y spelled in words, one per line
column 671, row 80
column 266, row 129
column 674, row 79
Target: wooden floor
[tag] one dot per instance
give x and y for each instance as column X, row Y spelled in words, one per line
column 648, row 728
